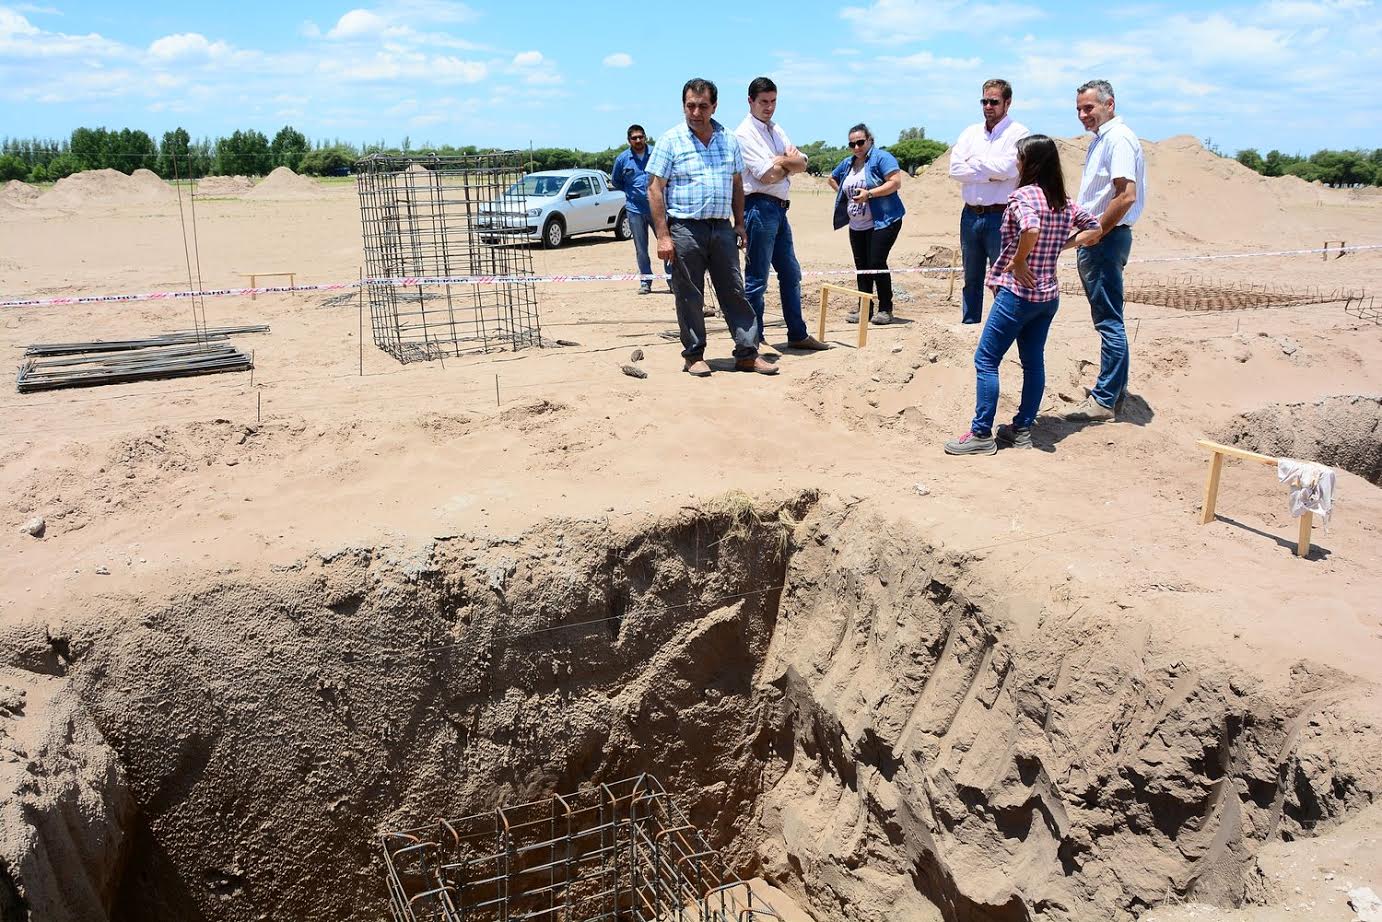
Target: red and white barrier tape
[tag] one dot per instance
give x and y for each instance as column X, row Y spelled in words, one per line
column 427, row 281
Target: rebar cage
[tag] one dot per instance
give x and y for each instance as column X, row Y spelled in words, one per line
column 429, row 217
column 621, row 852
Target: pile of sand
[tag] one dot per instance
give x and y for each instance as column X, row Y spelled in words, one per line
column 224, row 185
column 16, row 195
column 283, row 184
column 1193, row 194
column 18, row 192
column 107, row 187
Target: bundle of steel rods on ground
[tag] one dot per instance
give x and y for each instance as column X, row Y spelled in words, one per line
column 170, row 355
column 211, row 334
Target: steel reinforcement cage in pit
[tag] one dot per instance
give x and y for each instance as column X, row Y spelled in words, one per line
column 443, row 217
column 620, row 852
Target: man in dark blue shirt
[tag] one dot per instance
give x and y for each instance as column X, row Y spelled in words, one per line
column 630, row 176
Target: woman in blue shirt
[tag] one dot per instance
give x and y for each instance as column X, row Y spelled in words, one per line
column 866, row 199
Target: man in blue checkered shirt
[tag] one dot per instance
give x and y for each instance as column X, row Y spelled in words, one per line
column 695, row 191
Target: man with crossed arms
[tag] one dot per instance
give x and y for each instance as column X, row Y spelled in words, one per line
column 984, row 163
column 770, row 159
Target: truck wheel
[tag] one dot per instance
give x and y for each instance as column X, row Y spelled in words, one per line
column 553, row 233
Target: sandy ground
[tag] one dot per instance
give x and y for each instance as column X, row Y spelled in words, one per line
column 158, row 482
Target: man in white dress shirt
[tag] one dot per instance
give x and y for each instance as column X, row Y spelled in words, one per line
column 984, row 163
column 1113, row 188
column 770, row 159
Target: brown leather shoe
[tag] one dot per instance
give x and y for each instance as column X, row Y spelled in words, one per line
column 756, row 364
column 698, row 368
column 811, row 344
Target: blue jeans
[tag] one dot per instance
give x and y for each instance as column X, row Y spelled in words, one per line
column 770, row 243
column 641, row 225
column 981, row 241
column 1101, row 271
column 1012, row 318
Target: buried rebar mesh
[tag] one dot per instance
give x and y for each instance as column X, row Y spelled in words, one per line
column 434, row 218
column 1197, row 293
column 619, row 851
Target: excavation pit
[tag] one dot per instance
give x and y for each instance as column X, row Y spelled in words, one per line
column 1343, row 432
column 869, row 730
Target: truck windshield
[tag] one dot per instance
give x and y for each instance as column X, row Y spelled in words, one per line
column 538, row 186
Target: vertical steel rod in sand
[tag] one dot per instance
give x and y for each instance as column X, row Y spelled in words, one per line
column 360, row 300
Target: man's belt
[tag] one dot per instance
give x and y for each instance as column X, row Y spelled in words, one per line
column 772, row 198
column 986, row 209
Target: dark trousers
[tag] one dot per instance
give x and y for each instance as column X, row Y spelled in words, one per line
column 703, row 245
column 1101, row 270
column 981, row 240
column 871, row 249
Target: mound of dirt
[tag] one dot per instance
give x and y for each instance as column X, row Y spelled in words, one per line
column 1342, row 432
column 1193, row 195
column 224, row 185
column 17, row 192
column 107, row 187
column 283, row 184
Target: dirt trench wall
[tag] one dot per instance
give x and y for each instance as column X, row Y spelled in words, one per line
column 267, row 730
column 1084, row 768
column 1341, row 432
column 835, row 704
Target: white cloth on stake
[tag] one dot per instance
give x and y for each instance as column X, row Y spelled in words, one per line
column 1312, row 487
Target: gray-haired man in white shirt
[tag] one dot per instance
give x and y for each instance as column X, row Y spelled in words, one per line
column 984, row 163
column 770, row 159
column 1113, row 188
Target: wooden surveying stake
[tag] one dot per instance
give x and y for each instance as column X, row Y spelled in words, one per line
column 1211, row 488
column 864, row 298
column 254, row 278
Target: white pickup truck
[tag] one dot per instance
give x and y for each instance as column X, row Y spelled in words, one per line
column 550, row 206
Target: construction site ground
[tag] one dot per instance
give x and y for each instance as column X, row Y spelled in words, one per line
column 150, row 491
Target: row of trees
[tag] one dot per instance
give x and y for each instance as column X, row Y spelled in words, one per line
column 251, row 153
column 1332, row 167
column 176, row 155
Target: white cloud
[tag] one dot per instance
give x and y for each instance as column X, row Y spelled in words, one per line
column 893, row 22
column 11, row 24
column 618, row 59
column 357, row 24
column 527, row 59
column 186, row 45
column 402, row 64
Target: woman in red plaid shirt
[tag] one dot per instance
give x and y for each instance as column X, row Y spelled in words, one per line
column 1037, row 226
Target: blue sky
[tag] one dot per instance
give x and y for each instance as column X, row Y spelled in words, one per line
column 1290, row 74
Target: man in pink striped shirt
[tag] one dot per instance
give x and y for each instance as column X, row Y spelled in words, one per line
column 984, row 163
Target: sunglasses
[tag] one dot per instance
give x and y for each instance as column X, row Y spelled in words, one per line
column 860, row 143
column 637, row 137
column 988, row 101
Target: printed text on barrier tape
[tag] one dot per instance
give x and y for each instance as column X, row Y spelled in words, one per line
column 428, row 281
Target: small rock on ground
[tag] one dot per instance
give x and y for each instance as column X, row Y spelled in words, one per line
column 35, row 527
column 1366, row 903
column 636, row 355
column 633, row 371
